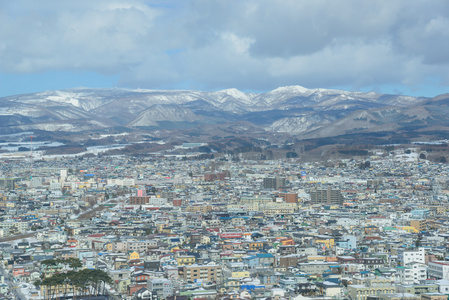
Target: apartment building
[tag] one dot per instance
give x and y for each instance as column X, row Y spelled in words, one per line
column 207, row 273
column 185, row 260
column 326, row 196
column 413, row 273
column 370, row 287
column 406, row 257
column 163, row 287
column 438, row 270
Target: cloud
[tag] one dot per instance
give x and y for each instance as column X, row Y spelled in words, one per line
column 105, row 36
column 251, row 45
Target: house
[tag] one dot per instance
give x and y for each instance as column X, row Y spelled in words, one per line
column 3, row 288
column 229, row 285
column 251, row 261
column 142, row 277
column 329, row 289
column 132, row 255
column 268, row 277
column 18, row 271
column 266, row 259
column 133, row 288
column 144, row 294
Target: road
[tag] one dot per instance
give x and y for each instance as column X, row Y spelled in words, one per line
column 90, row 213
column 17, row 237
column 12, row 286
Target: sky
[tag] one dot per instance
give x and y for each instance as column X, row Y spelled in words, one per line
column 399, row 47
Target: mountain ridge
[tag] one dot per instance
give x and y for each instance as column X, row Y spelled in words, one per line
column 293, row 110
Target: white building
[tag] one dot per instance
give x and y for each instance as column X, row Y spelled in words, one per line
column 331, row 289
column 9, row 224
column 411, row 274
column 275, row 292
column 163, row 287
column 347, row 223
column 157, row 201
column 411, row 256
column 443, row 286
column 121, row 182
column 438, row 270
column 380, row 221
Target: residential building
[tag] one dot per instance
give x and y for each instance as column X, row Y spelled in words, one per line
column 326, row 196
column 207, row 273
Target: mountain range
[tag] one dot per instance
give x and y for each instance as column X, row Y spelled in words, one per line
column 292, row 111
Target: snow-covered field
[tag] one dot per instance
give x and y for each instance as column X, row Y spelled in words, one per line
column 14, row 154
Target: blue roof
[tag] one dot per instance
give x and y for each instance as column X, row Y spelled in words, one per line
column 250, row 257
column 264, row 255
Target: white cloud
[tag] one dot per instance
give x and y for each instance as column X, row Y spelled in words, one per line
column 101, row 36
column 254, row 44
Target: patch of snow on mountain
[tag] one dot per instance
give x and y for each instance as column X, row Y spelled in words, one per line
column 330, row 91
column 102, row 136
column 294, row 89
column 240, row 96
column 57, row 127
column 24, row 111
column 294, row 125
column 234, row 93
column 275, row 97
column 171, row 97
column 64, row 97
column 403, row 101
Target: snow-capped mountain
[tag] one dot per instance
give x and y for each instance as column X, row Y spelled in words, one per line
column 295, row 110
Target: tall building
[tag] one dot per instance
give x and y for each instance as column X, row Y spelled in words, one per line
column 217, row 176
column 420, row 225
column 412, row 274
column 273, row 182
column 63, row 175
column 326, row 196
column 289, row 197
column 406, row 257
column 177, row 202
column 8, row 183
column 203, row 272
column 140, row 198
column 256, row 199
column 141, row 193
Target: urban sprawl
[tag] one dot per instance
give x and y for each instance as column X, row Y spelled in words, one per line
column 178, row 228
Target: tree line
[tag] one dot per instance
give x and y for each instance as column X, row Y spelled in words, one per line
column 85, row 282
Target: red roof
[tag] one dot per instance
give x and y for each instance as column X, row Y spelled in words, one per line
column 96, row 235
column 444, row 263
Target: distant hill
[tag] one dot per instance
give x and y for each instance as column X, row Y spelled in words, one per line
column 287, row 113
